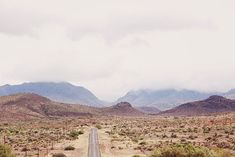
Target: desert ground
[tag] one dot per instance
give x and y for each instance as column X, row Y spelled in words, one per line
column 118, row 136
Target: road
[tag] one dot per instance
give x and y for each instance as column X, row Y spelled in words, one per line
column 93, row 148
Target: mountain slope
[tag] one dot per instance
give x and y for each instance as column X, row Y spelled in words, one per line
column 122, row 109
column 61, row 92
column 148, row 109
column 25, row 106
column 162, row 99
column 214, row 104
column 29, row 106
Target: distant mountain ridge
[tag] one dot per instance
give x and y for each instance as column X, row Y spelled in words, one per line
column 61, row 92
column 211, row 105
column 162, row 99
column 68, row 93
column 168, row 98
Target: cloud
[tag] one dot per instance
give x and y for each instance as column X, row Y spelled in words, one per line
column 103, row 18
column 112, row 47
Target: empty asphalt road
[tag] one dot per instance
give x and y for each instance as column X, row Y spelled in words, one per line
column 93, row 150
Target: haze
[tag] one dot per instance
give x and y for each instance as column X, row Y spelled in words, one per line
column 111, row 47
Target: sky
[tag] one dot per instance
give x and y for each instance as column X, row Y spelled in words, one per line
column 111, row 47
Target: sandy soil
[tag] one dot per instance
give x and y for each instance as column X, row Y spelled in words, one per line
column 80, row 144
column 111, row 148
column 119, row 137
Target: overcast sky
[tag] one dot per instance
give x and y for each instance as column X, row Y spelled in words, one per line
column 113, row 46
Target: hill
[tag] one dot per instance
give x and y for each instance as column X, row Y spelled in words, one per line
column 30, row 106
column 162, row 99
column 60, row 92
column 122, row 109
column 214, row 104
column 26, row 106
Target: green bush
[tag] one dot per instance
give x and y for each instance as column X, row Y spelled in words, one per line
column 5, row 151
column 74, row 134
column 187, row 151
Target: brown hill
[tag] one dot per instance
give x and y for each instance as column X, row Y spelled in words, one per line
column 214, row 104
column 29, row 106
column 26, row 106
column 122, row 109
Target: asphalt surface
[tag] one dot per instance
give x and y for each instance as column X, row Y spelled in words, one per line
column 93, row 148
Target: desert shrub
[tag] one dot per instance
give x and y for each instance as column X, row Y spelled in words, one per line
column 98, row 126
column 74, row 134
column 69, row 148
column 183, row 140
column 187, row 151
column 142, row 143
column 173, row 135
column 229, row 132
column 5, row 151
column 59, row 155
column 80, row 132
column 120, row 148
column 164, row 136
column 206, row 130
column 190, row 130
column 24, row 149
column 135, row 140
column 192, row 137
column 122, row 134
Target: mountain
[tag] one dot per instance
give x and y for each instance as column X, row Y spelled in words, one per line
column 61, row 92
column 148, row 109
column 162, row 99
column 214, row 104
column 68, row 93
column 30, row 106
column 122, row 109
